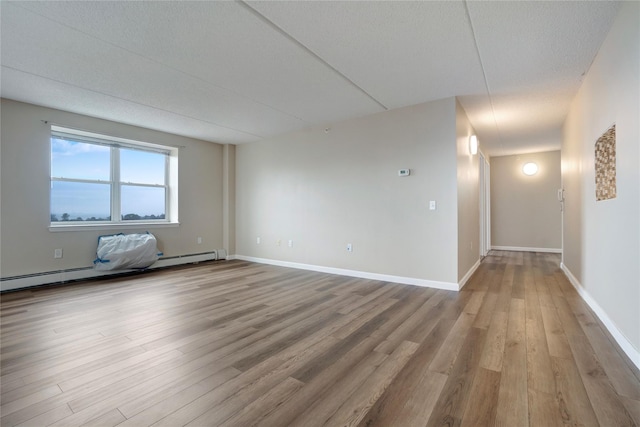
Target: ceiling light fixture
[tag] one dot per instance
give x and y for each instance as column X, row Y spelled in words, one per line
column 530, row 168
column 473, row 144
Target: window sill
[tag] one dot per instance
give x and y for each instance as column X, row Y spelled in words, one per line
column 112, row 227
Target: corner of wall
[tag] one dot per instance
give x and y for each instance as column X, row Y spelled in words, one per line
column 229, row 198
column 468, row 197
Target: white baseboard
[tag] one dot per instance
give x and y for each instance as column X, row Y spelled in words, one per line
column 449, row 286
column 622, row 341
column 524, row 249
column 467, row 276
column 53, row 277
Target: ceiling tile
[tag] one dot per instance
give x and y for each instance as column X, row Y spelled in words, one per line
column 402, row 53
column 222, row 44
column 550, row 44
column 534, row 54
column 235, row 72
column 25, row 87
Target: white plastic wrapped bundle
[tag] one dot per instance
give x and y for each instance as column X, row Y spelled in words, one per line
column 124, row 251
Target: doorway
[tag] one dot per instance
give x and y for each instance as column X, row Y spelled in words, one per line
column 485, row 206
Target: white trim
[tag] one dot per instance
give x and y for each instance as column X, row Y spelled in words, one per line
column 55, row 277
column 109, row 226
column 467, row 276
column 488, row 205
column 449, row 286
column 108, row 140
column 485, row 206
column 622, row 341
column 524, row 249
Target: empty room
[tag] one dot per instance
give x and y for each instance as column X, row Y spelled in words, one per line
column 320, row 213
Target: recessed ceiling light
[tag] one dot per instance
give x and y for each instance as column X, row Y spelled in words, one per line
column 530, row 168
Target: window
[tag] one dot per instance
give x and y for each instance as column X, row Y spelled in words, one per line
column 96, row 179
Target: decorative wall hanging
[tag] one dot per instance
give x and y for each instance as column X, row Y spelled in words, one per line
column 606, row 165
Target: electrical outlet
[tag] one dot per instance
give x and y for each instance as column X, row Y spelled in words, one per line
column 278, row 242
column 57, row 253
column 290, row 243
column 199, row 240
column 432, row 205
column 257, row 240
column 349, row 247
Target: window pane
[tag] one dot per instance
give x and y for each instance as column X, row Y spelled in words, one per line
column 142, row 202
column 79, row 160
column 79, row 201
column 142, row 167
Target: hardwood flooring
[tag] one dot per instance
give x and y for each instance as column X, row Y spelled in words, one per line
column 238, row 344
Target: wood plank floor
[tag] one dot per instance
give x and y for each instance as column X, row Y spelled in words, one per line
column 234, row 343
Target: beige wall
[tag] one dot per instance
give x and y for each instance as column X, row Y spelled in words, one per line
column 28, row 245
column 324, row 189
column 319, row 188
column 602, row 239
column 525, row 211
column 468, row 196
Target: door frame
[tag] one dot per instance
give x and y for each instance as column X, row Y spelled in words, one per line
column 485, row 205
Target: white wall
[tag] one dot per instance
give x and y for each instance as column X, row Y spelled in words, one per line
column 602, row 239
column 323, row 190
column 28, row 245
column 525, row 211
column 468, row 196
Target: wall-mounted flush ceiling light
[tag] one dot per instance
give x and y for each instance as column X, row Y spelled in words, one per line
column 473, row 144
column 530, row 168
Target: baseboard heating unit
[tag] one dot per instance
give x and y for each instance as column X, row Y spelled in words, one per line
column 74, row 274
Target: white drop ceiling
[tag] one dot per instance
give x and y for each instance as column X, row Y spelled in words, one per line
column 239, row 72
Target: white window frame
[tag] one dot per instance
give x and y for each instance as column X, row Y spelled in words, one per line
column 115, row 144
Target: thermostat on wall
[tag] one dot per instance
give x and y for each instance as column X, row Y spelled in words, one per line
column 404, row 172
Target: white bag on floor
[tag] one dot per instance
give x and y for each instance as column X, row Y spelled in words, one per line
column 123, row 251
